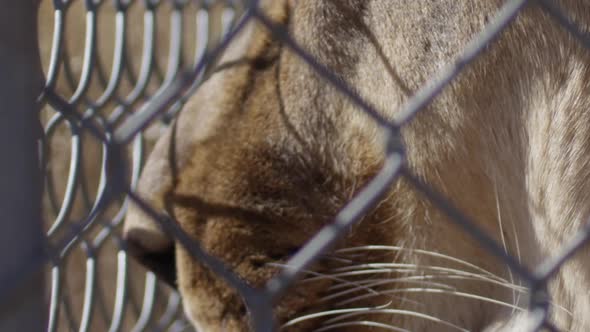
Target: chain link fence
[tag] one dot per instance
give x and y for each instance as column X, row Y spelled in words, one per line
column 117, row 73
column 105, row 60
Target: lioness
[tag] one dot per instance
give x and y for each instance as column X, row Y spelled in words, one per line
column 267, row 152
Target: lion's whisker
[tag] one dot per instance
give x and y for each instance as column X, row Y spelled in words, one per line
column 396, row 312
column 362, row 323
column 375, row 280
column 503, row 239
column 418, row 251
column 324, row 314
column 416, row 279
column 519, row 289
column 444, row 274
column 375, row 268
column 515, row 287
column 432, row 291
column 338, row 259
column 364, row 272
column 320, row 276
column 385, row 282
column 352, row 312
column 518, row 256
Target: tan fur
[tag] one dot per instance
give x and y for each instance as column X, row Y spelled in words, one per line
column 267, row 152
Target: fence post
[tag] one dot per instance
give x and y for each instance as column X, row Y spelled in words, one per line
column 22, row 304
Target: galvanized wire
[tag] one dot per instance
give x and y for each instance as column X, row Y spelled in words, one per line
column 83, row 104
column 117, row 119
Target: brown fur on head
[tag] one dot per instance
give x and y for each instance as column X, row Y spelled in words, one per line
column 267, row 152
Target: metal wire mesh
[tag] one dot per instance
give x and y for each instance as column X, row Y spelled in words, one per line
column 104, row 61
column 106, row 121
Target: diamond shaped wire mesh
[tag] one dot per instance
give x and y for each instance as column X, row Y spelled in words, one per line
column 119, row 72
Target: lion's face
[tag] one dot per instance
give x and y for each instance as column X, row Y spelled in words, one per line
column 253, row 201
column 251, row 194
column 266, row 154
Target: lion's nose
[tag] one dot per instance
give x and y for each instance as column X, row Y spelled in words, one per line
column 159, row 259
